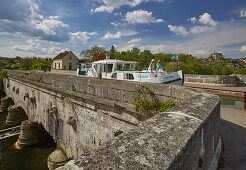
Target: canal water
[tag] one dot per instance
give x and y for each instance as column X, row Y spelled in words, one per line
column 29, row 158
column 230, row 103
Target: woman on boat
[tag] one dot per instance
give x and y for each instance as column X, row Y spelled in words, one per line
column 159, row 68
column 151, row 66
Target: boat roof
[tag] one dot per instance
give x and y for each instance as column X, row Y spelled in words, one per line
column 112, row 61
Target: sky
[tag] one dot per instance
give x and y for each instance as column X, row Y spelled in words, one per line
column 44, row 28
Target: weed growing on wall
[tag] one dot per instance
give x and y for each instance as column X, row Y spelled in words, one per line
column 148, row 104
column 3, row 73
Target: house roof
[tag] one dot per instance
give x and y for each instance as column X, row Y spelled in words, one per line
column 62, row 55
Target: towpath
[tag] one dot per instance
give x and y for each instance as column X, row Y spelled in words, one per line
column 232, row 129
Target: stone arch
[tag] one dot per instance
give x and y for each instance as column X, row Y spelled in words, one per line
column 21, row 104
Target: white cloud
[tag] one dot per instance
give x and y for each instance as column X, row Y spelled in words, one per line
column 81, row 37
column 178, row 30
column 134, row 40
column 208, row 24
column 155, row 48
column 104, row 9
column 141, row 16
column 242, row 13
column 200, row 29
column 118, row 35
column 206, row 19
column 117, row 24
column 37, row 47
column 126, row 47
column 243, row 48
column 200, row 52
column 193, row 20
column 53, row 30
column 110, row 5
column 22, row 19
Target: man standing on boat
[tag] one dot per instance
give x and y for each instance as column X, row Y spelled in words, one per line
column 99, row 56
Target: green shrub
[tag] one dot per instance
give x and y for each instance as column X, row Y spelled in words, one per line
column 241, row 71
column 149, row 107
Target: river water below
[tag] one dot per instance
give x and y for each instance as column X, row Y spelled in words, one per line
column 29, row 158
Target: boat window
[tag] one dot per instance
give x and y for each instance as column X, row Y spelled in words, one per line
column 133, row 67
column 128, row 76
column 109, row 68
column 114, row 75
column 127, row 66
column 119, row 66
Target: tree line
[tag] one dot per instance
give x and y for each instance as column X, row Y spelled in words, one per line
column 186, row 62
column 27, row 63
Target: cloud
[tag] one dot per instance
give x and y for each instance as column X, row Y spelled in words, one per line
column 141, row 16
column 206, row 19
column 193, row 20
column 118, row 35
column 134, row 40
column 80, row 37
column 117, row 24
column 110, row 5
column 243, row 48
column 178, row 30
column 37, row 47
column 22, row 18
column 200, row 29
column 208, row 24
column 242, row 13
column 155, row 48
column 200, row 52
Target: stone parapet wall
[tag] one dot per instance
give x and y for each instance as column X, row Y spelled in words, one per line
column 241, row 79
column 102, row 90
column 185, row 137
column 60, row 71
column 219, row 80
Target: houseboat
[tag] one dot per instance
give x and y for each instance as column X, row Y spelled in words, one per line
column 125, row 70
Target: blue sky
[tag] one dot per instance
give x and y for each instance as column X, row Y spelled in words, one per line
column 44, row 28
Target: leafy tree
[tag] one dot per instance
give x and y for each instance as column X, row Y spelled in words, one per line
column 93, row 52
column 241, row 71
column 221, row 68
column 112, row 51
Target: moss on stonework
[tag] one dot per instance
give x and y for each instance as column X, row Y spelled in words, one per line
column 148, row 104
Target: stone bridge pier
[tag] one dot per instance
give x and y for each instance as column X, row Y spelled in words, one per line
column 5, row 103
column 29, row 134
column 15, row 115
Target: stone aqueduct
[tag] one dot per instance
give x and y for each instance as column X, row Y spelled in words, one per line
column 97, row 125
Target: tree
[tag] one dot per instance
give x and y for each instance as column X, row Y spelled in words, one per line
column 93, row 52
column 112, row 51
